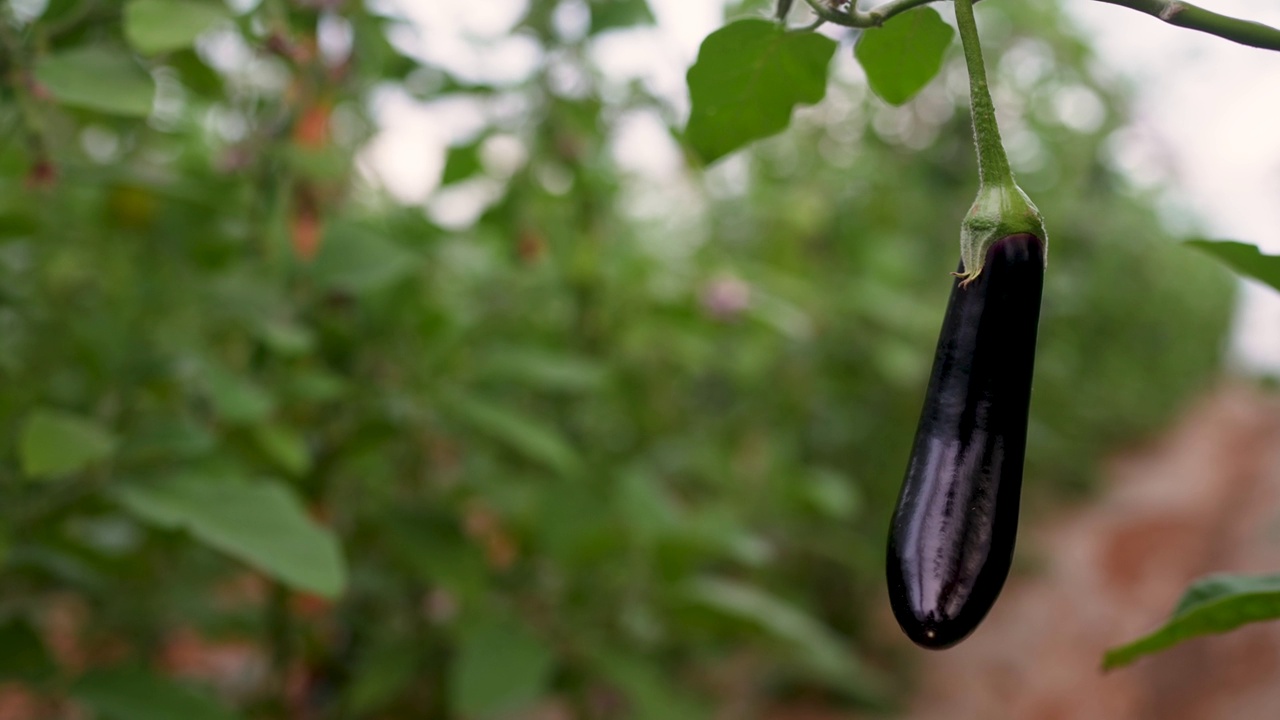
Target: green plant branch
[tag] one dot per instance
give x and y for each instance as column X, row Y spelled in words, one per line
column 1174, row 12
column 993, row 164
column 1001, row 208
column 853, row 17
column 1186, row 15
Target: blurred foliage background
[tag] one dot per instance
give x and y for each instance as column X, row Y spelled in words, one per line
column 277, row 445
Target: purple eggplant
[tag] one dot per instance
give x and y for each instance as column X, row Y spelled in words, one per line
column 952, row 535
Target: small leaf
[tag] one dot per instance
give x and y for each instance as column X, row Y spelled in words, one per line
column 383, row 672
column 1216, row 604
column 121, row 694
column 1245, row 259
column 462, row 162
column 261, row 523
column 815, row 645
column 748, row 77
column 535, row 441
column 285, row 447
column 543, row 369
column 286, row 338
column 55, row 443
column 359, row 260
column 651, row 691
column 156, row 26
column 97, row 78
column 500, row 667
column 614, row 14
column 901, row 57
column 236, row 398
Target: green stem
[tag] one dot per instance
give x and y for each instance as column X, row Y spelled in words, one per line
column 1186, row 15
column 993, row 164
column 1174, row 12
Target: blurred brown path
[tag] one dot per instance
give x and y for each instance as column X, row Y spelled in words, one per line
column 1203, row 498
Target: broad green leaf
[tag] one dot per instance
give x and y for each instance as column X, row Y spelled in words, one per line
column 501, row 667
column 539, row 442
column 462, row 162
column 748, row 77
column 262, row 523
column 1245, row 259
column 1215, row 604
column 236, row 398
column 358, row 260
column 810, row 641
column 22, row 653
column 55, row 443
column 97, row 78
column 129, row 694
column 901, row 57
column 156, row 26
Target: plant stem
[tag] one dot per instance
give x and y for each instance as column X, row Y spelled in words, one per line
column 1186, row 15
column 853, row 17
column 993, row 164
column 1174, row 12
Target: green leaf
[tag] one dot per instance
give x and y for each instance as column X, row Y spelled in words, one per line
column 236, row 398
column 901, row 57
column 285, row 447
column 1245, row 259
column 815, row 645
column 748, row 77
column 1215, row 604
column 156, row 26
column 22, row 653
column 122, row 694
column 651, row 692
column 614, row 14
column 97, row 78
column 543, row 369
column 55, row 443
column 382, row 673
column 537, row 442
column 262, row 523
column 462, row 162
column 501, row 666
column 358, row 260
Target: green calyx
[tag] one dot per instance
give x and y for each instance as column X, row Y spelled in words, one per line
column 1000, row 210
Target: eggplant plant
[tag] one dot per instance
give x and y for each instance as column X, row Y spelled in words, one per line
column 953, row 531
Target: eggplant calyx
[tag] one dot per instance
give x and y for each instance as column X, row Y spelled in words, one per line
column 1000, row 210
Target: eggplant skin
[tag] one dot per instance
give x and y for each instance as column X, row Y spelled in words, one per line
column 952, row 535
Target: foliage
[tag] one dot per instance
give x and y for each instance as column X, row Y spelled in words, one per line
column 904, row 55
column 1219, row 603
column 1245, row 259
column 1214, row 604
column 591, row 448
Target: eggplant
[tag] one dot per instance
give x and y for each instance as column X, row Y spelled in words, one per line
column 952, row 535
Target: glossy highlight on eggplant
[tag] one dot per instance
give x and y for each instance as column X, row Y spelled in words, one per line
column 952, row 535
